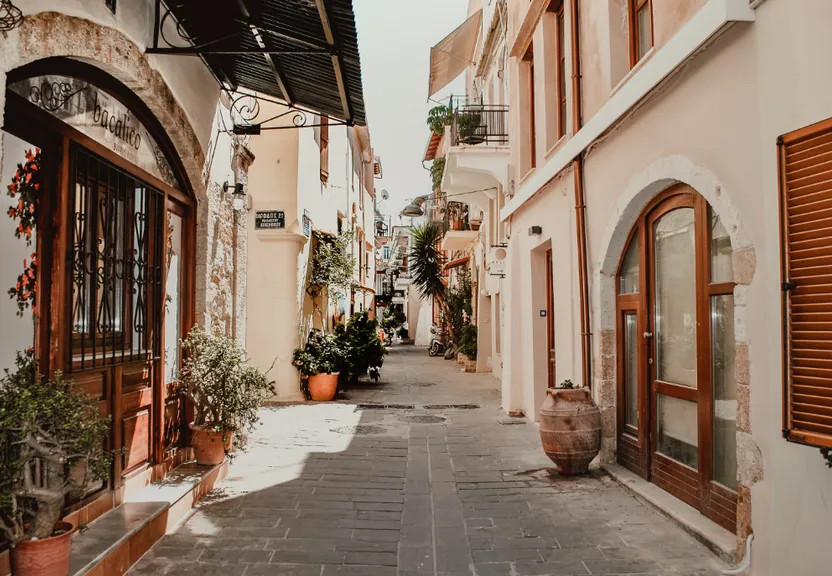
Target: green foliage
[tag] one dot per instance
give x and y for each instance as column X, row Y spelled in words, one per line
column 437, row 170
column 322, row 354
column 226, row 391
column 333, row 267
column 403, row 333
column 458, row 304
column 438, row 117
column 363, row 348
column 427, row 261
column 44, row 420
column 468, row 342
column 567, row 385
column 467, row 125
column 393, row 318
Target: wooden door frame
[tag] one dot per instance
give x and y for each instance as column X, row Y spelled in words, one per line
column 550, row 319
column 677, row 196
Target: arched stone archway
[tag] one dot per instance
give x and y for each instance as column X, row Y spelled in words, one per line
column 50, row 34
column 640, row 190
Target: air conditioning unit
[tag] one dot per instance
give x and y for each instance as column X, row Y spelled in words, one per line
column 508, row 185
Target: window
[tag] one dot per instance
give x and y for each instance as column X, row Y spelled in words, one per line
column 806, row 245
column 324, row 149
column 556, row 8
column 528, row 60
column 641, row 29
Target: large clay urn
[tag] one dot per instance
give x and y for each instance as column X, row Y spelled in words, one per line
column 570, row 429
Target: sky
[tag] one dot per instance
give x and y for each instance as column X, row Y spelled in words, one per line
column 394, row 40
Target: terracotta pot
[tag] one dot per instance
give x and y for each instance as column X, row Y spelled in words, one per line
column 322, row 387
column 570, row 429
column 209, row 448
column 47, row 557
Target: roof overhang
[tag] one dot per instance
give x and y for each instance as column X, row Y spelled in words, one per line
column 303, row 52
column 454, row 53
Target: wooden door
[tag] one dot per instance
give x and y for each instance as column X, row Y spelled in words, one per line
column 550, row 319
column 114, row 246
column 672, row 351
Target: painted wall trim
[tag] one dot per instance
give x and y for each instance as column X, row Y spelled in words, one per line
column 709, row 21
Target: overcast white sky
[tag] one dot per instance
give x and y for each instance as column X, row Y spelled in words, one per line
column 394, row 39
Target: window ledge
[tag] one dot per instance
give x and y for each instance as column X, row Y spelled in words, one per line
column 554, row 148
column 529, row 173
column 719, row 540
column 634, row 70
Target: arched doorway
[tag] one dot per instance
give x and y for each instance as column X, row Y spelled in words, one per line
column 113, row 242
column 675, row 347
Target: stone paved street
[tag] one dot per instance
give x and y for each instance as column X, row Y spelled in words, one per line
column 409, row 478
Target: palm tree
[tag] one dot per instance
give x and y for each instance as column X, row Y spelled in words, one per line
column 427, row 261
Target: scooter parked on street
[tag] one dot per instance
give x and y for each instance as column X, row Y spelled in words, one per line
column 436, row 347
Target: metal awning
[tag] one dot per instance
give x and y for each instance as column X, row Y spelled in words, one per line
column 303, row 52
column 454, row 53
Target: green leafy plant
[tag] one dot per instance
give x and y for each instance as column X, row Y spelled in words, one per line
column 393, row 318
column 438, row 118
column 333, row 268
column 362, row 346
column 458, row 304
column 426, row 261
column 467, row 124
column 44, row 422
column 468, row 342
column 226, row 391
column 322, row 354
column 567, row 385
column 437, row 170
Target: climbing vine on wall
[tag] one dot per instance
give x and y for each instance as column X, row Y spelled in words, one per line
column 25, row 188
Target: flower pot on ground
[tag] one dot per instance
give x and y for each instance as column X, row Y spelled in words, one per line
column 44, row 422
column 570, row 428
column 226, row 393
column 320, row 362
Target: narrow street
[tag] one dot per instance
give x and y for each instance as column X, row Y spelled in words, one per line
column 415, row 476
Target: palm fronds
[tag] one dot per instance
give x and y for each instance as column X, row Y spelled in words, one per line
column 427, row 261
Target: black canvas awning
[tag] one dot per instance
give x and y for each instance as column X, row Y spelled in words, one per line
column 304, row 52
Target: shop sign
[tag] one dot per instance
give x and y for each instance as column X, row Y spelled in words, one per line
column 269, row 219
column 497, row 261
column 97, row 114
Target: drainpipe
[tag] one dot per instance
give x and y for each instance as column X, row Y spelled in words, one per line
column 580, row 204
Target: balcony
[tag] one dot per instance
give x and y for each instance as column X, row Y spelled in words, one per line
column 458, row 230
column 477, row 124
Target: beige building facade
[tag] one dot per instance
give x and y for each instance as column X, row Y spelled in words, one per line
column 656, row 149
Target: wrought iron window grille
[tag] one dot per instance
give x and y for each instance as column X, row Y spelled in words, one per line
column 10, row 16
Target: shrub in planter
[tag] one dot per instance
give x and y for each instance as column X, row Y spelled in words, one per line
column 226, row 393
column 404, row 334
column 362, row 347
column 320, row 361
column 45, row 424
column 468, row 341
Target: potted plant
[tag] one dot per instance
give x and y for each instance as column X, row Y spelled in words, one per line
column 570, row 428
column 226, row 393
column 47, row 426
column 361, row 346
column 332, row 269
column 320, row 361
column 468, row 123
column 468, row 347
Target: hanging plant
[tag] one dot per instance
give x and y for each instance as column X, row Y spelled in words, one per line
column 25, row 188
column 24, row 290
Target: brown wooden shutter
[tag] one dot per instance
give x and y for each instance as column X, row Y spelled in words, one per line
column 806, row 269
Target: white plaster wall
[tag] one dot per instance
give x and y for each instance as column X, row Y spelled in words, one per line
column 191, row 82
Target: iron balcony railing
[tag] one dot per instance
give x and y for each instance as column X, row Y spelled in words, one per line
column 474, row 124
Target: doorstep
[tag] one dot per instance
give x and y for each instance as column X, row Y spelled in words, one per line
column 114, row 542
column 719, row 540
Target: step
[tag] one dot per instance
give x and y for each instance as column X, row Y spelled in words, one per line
column 110, row 545
column 113, row 543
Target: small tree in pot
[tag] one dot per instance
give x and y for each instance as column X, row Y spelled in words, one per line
column 51, row 444
column 226, row 393
column 320, row 362
column 361, row 346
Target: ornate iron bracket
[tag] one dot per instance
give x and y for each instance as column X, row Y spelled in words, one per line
column 248, row 120
column 10, row 16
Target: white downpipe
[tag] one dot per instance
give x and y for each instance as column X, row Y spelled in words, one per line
column 746, row 563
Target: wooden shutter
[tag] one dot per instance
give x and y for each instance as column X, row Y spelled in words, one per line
column 806, row 269
column 324, row 149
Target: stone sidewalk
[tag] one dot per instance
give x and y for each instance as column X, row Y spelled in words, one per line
column 415, row 476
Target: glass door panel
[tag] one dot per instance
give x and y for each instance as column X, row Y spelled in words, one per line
column 173, row 295
column 678, row 430
column 631, row 369
column 725, row 391
column 675, row 306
